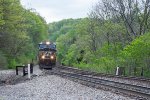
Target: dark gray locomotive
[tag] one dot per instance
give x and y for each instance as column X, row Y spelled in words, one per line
column 47, row 55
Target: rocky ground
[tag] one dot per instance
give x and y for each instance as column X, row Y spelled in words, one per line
column 50, row 87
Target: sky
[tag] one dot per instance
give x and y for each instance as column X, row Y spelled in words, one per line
column 56, row 10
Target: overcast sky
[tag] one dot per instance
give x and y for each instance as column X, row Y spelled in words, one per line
column 56, row 10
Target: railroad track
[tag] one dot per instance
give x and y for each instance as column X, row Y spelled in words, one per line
column 129, row 80
column 76, row 70
column 86, row 78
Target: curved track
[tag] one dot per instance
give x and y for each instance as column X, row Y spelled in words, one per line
column 88, row 79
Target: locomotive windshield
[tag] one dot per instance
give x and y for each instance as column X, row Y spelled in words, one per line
column 43, row 46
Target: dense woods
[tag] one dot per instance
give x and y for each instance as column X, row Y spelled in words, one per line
column 115, row 34
column 20, row 32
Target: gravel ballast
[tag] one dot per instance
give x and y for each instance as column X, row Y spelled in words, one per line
column 50, row 87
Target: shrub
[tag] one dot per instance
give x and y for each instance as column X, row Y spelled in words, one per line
column 3, row 61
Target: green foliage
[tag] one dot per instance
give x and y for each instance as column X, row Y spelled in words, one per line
column 71, row 55
column 12, row 63
column 56, row 29
column 37, row 28
column 3, row 61
column 20, row 32
column 64, row 41
column 112, row 49
column 137, row 54
column 101, row 43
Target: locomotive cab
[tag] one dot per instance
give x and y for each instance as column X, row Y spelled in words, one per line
column 47, row 55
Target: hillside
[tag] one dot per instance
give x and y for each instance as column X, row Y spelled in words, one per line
column 92, row 46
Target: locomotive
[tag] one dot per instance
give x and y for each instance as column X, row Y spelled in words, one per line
column 47, row 55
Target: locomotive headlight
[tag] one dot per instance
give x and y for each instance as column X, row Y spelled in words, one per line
column 47, row 43
column 52, row 57
column 43, row 57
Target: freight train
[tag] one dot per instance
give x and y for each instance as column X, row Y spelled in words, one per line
column 47, row 55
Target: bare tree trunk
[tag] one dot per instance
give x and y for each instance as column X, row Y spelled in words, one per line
column 93, row 36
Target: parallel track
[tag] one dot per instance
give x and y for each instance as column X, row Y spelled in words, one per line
column 135, row 90
column 76, row 70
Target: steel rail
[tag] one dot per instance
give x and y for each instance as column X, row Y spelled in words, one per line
column 141, row 91
column 103, row 75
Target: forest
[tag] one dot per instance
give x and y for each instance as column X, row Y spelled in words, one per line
column 20, row 32
column 116, row 33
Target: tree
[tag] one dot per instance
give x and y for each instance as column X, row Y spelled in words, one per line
column 137, row 55
column 133, row 13
column 15, row 29
column 62, row 27
column 37, row 29
column 12, row 27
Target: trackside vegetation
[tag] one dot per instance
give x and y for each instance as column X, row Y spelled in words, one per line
column 20, row 32
column 115, row 34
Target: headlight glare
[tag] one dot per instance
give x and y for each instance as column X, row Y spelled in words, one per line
column 52, row 57
column 43, row 57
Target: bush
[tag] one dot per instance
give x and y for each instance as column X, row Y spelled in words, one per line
column 137, row 56
column 12, row 63
column 3, row 61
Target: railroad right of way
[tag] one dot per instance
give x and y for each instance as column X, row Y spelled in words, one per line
column 125, row 86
